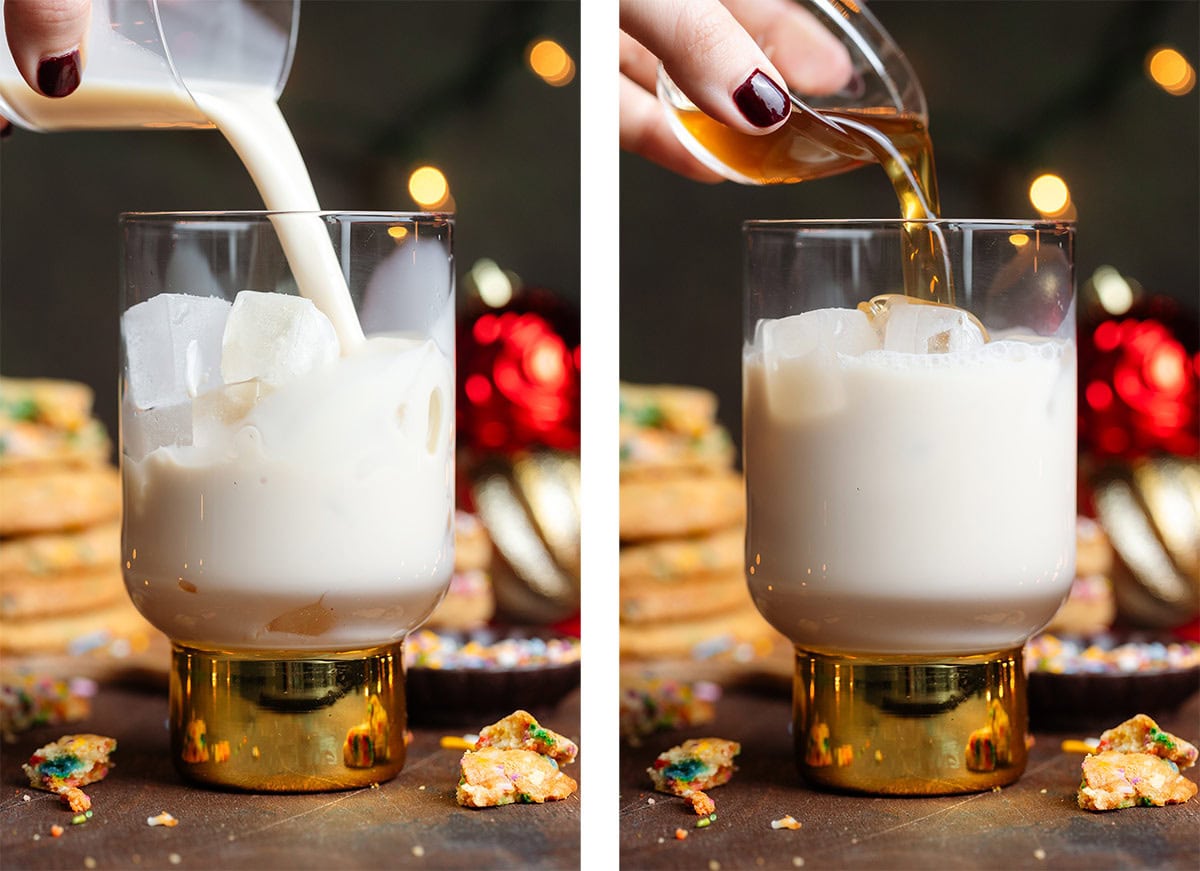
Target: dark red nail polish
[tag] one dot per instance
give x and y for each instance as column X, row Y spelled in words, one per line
column 761, row 101
column 59, row 76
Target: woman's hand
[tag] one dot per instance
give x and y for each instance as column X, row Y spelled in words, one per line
column 46, row 38
column 711, row 50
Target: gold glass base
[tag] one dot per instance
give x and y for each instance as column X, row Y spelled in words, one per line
column 910, row 726
column 309, row 723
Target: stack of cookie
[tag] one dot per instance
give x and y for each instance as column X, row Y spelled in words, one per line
column 61, row 590
column 683, row 593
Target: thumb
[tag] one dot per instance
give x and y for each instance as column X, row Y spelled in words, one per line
column 46, row 38
column 713, row 60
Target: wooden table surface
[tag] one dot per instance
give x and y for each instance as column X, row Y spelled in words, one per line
column 411, row 821
column 1035, row 823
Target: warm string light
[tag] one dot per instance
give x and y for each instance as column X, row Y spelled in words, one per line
column 428, row 187
column 1050, row 195
column 551, row 63
column 1171, row 71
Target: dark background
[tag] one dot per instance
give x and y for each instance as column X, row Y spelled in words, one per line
column 1014, row 89
column 377, row 89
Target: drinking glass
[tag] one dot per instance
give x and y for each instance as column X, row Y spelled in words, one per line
column 910, row 471
column 288, row 501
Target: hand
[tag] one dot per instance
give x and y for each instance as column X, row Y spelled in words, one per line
column 46, row 38
column 707, row 49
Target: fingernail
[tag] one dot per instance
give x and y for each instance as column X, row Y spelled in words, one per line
column 761, row 101
column 59, row 76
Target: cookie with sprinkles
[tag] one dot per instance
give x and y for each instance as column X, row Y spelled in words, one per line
column 739, row 633
column 521, row 731
column 50, row 501
column 672, row 559
column 671, row 407
column 679, row 505
column 683, row 598
column 54, row 552
column 650, row 452
column 492, row 777
column 25, row 445
column 696, row 764
column 1140, row 734
column 70, row 762
column 1113, row 780
column 25, row 596
column 64, row 405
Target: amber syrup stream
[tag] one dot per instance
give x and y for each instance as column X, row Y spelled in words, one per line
column 814, row 145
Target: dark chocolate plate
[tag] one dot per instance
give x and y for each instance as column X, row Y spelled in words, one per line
column 1091, row 702
column 470, row 698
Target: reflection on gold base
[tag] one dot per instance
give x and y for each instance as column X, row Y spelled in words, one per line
column 266, row 723
column 910, row 726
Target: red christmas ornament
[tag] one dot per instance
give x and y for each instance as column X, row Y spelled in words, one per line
column 518, row 375
column 1138, row 378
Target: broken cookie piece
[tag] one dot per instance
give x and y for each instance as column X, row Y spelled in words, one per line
column 71, row 762
column 696, row 764
column 1140, row 734
column 492, row 777
column 1113, row 780
column 520, row 731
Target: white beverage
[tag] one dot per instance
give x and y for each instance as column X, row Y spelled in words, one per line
column 316, row 515
column 909, row 503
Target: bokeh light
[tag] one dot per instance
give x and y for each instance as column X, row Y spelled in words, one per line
column 428, row 187
column 1049, row 195
column 550, row 62
column 1171, row 71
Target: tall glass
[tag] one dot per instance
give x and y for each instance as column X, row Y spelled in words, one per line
column 910, row 473
column 289, row 499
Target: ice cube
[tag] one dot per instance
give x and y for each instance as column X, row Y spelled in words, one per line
column 173, row 347
column 800, row 359
column 827, row 330
column 216, row 414
column 144, row 430
column 916, row 326
column 274, row 338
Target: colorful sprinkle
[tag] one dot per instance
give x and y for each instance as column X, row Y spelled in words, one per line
column 786, row 822
column 427, row 649
column 1103, row 655
column 163, row 819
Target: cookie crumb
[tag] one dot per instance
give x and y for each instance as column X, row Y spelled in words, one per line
column 797, row 861
column 701, row 803
column 418, row 851
column 89, row 862
column 174, row 858
column 1039, row 854
column 650, row 800
column 714, row 865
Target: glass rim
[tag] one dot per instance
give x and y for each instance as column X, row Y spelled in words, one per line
column 863, row 223
column 258, row 214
